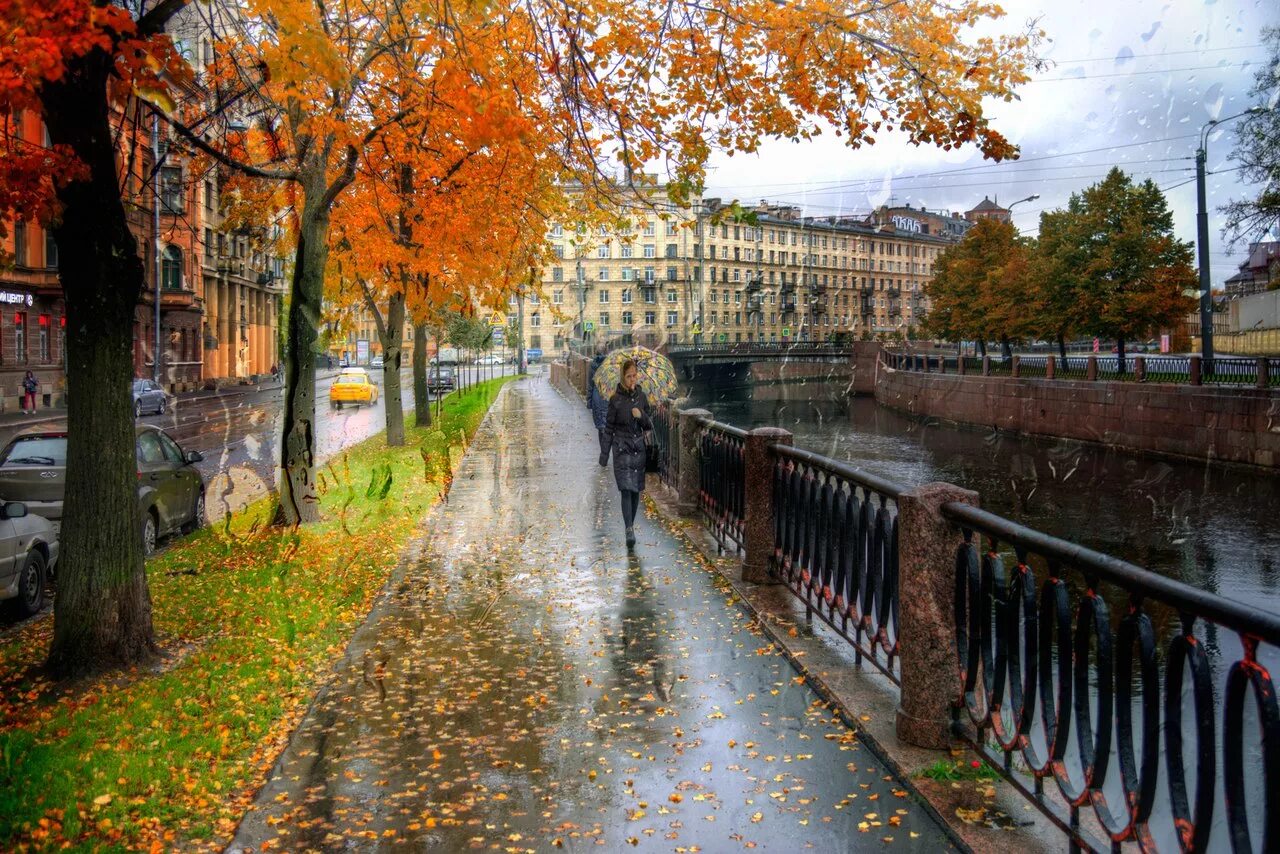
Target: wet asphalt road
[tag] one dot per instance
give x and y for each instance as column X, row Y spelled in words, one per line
column 238, row 432
column 528, row 685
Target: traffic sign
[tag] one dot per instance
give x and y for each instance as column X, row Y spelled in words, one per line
column 786, row 332
column 589, row 326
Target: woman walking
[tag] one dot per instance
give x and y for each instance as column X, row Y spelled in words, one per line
column 627, row 432
column 596, row 402
column 29, row 387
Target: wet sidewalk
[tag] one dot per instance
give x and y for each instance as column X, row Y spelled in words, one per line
column 528, row 685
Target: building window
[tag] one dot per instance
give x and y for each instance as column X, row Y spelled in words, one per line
column 171, row 189
column 671, row 250
column 671, row 274
column 557, row 274
column 50, row 250
column 557, row 231
column 20, row 337
column 671, row 318
column 650, row 318
column 604, row 297
column 626, row 318
column 535, row 320
column 44, row 339
column 171, row 269
column 648, row 229
column 627, row 249
column 604, row 318
column 650, row 251
column 20, row 243
column 626, row 295
column 627, row 274
column 650, row 294
column 558, row 250
column 534, row 299
column 602, row 251
column 671, row 295
column 604, row 274
column 672, row 228
column 557, row 297
column 715, row 295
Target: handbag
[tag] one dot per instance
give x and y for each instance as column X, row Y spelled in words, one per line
column 651, row 457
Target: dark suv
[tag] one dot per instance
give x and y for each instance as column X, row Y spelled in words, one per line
column 170, row 489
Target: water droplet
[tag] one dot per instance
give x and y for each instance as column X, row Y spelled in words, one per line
column 1124, row 55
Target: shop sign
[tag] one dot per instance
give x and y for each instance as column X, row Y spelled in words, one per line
column 14, row 298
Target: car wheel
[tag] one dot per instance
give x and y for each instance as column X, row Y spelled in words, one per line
column 197, row 514
column 338, row 404
column 30, row 586
column 150, row 529
column 161, row 408
column 137, row 409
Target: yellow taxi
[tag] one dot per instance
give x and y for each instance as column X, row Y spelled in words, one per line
column 352, row 386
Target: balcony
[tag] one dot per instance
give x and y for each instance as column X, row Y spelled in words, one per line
column 893, row 291
column 817, row 305
column 895, row 308
column 867, row 308
column 787, row 302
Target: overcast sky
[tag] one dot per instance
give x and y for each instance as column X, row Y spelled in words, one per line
column 1131, row 84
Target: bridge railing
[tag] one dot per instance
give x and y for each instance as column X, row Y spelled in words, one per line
column 1256, row 371
column 1125, row 706
column 768, row 347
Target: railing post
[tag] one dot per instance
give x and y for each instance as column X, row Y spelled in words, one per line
column 1016, row 371
column 1264, row 372
column 1193, row 372
column 758, row 464
column 926, row 628
column 690, row 473
column 1049, row 367
column 1091, row 369
column 1140, row 368
column 986, row 366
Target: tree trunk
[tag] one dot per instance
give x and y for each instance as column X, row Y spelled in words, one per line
column 1062, row 347
column 102, row 613
column 1120, row 366
column 392, row 335
column 421, row 402
column 982, row 347
column 1006, row 350
column 299, row 501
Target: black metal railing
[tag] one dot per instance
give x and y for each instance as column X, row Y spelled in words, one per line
column 665, row 435
column 1192, row 370
column 722, row 483
column 836, row 549
column 1059, row 650
column 766, row 347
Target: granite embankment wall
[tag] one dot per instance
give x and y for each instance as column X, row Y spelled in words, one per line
column 1239, row 425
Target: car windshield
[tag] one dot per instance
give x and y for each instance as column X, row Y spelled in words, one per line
column 36, row 451
column 351, row 379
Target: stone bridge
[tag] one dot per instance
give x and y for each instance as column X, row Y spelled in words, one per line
column 761, row 361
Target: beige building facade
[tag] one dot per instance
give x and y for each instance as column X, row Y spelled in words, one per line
column 679, row 275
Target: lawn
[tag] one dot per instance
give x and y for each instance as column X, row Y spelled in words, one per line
column 251, row 620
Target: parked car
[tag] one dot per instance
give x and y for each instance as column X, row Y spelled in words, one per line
column 28, row 552
column 377, row 362
column 352, row 386
column 171, row 490
column 489, row 360
column 440, row 379
column 148, row 397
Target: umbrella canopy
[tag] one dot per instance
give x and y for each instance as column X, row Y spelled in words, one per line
column 657, row 374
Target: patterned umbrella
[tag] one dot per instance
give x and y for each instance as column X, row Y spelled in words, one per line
column 657, row 374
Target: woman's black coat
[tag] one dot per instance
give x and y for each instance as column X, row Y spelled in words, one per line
column 624, row 437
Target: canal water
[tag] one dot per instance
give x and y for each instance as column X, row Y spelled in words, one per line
column 1211, row 526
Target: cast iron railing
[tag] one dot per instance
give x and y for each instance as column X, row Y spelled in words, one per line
column 722, row 483
column 664, row 434
column 836, row 549
column 1054, row 650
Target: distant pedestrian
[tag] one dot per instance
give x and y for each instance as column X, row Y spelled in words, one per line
column 29, row 387
column 275, row 371
column 596, row 402
column 627, row 433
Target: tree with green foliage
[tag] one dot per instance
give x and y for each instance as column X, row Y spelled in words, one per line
column 1257, row 152
column 977, row 287
column 1125, row 274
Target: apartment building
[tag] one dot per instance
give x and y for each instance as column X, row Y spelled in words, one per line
column 672, row 275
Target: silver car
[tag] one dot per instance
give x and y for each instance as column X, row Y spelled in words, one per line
column 149, row 397
column 28, row 553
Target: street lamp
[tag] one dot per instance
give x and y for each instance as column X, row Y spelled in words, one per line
column 582, row 300
column 1030, row 198
column 1202, row 239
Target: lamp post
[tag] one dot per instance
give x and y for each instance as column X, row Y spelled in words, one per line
column 581, row 288
column 1202, row 240
column 1006, row 350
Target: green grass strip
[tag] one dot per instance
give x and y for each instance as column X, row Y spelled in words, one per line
column 251, row 620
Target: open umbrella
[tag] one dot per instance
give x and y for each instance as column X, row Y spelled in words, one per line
column 657, row 374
